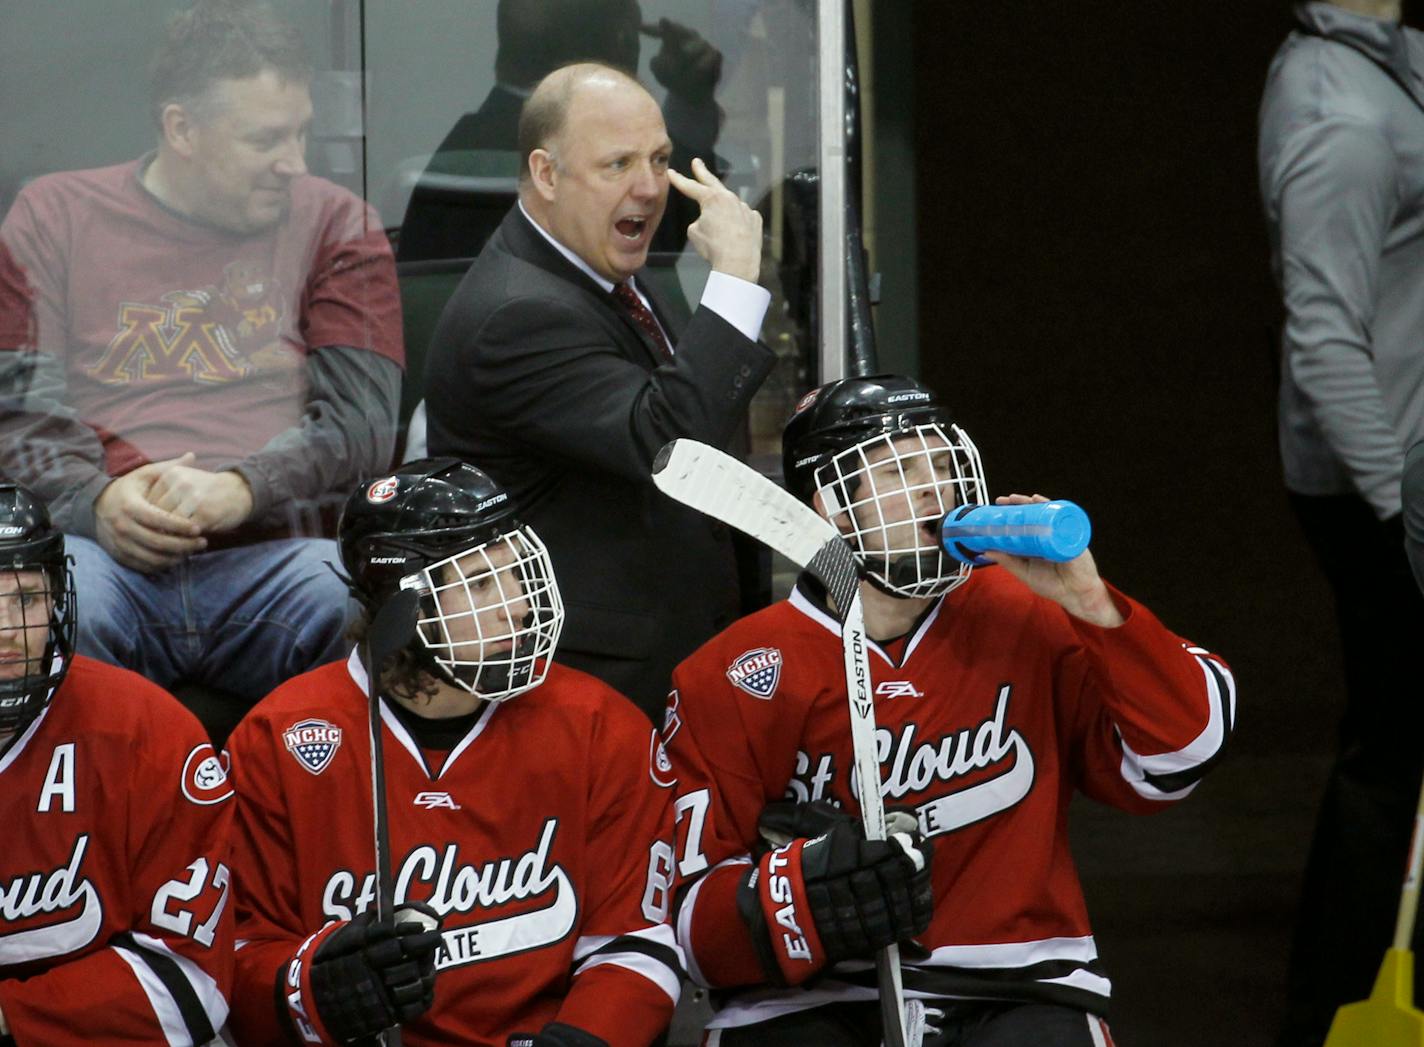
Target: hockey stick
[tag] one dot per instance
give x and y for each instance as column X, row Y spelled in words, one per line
column 390, row 629
column 728, row 490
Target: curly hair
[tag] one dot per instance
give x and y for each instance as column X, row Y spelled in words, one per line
column 405, row 674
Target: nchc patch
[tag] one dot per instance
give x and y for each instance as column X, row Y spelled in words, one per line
column 313, row 743
column 757, row 672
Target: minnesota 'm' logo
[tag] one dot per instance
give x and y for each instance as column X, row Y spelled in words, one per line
column 313, row 743
column 218, row 333
column 757, row 672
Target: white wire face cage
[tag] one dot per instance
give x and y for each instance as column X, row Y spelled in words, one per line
column 491, row 615
column 895, row 489
column 36, row 639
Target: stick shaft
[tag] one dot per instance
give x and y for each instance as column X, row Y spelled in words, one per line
column 872, row 805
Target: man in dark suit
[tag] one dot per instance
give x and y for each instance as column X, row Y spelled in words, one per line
column 558, row 371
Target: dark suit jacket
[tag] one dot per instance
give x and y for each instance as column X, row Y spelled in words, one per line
column 536, row 375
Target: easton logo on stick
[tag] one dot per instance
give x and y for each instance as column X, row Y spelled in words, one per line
column 313, row 743
column 757, row 672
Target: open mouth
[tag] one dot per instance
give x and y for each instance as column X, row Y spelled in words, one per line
column 632, row 228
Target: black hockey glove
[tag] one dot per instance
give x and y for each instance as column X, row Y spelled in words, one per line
column 371, row 975
column 813, row 902
column 557, row 1034
column 785, row 820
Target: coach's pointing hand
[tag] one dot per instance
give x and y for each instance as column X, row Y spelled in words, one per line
column 727, row 233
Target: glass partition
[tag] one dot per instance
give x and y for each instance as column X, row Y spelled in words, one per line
column 412, row 110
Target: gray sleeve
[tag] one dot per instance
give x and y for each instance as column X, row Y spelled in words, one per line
column 348, row 432
column 1412, row 493
column 44, row 444
column 1335, row 193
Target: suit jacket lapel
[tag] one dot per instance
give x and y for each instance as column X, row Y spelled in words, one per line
column 525, row 242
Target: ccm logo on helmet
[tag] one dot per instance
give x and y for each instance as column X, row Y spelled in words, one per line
column 205, row 778
column 382, row 490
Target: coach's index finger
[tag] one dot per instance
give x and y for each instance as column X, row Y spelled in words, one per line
column 699, row 188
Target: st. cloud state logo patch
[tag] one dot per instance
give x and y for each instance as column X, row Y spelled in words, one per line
column 757, row 672
column 313, row 743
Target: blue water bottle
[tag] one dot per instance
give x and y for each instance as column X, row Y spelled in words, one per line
column 1057, row 530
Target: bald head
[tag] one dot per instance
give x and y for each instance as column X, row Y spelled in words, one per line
column 546, row 113
column 596, row 156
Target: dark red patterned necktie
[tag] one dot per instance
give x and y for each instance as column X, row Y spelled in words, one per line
column 642, row 316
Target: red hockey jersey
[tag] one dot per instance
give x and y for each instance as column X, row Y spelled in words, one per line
column 543, row 840
column 114, row 918
column 998, row 708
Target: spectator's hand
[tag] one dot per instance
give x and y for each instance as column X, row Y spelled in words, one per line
column 1075, row 585
column 727, row 233
column 137, row 533
column 213, row 501
column 686, row 64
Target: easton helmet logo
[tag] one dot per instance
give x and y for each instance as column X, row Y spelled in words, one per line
column 757, row 672
column 806, row 401
column 313, row 743
column 382, row 490
column 205, row 778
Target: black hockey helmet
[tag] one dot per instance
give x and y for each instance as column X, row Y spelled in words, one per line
column 842, row 414
column 841, row 431
column 442, row 527
column 30, row 543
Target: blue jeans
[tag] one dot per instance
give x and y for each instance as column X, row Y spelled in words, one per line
column 242, row 619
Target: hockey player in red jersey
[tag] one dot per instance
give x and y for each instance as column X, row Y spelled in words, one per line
column 114, row 922
column 998, row 693
column 530, row 808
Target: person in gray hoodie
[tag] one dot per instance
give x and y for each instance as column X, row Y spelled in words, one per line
column 1341, row 154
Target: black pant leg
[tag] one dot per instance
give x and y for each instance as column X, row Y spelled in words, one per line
column 1353, row 873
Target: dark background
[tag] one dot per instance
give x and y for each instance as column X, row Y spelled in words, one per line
column 1095, row 301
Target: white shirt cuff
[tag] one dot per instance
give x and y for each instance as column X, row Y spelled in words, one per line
column 741, row 304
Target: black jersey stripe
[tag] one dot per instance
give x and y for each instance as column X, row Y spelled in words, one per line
column 1037, row 983
column 190, row 1008
column 1177, row 780
column 627, row 943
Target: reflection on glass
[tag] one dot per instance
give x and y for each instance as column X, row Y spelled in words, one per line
column 200, row 347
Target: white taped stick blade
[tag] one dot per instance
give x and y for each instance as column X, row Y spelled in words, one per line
column 727, row 489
